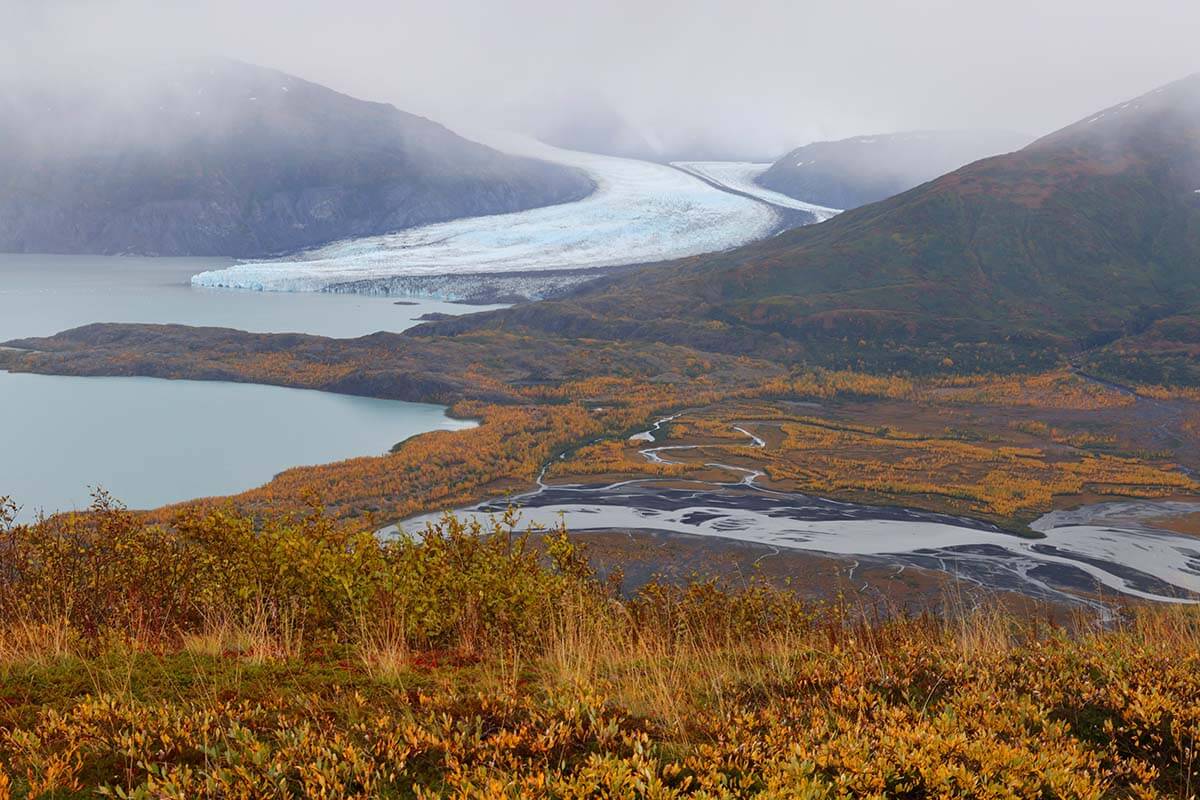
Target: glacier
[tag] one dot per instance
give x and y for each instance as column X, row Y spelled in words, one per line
column 640, row 212
column 740, row 176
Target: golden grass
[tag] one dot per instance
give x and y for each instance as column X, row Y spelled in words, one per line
column 383, row 647
column 258, row 637
column 31, row 641
column 230, row 657
column 619, row 700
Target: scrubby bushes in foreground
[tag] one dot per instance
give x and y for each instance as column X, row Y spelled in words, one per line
column 279, row 585
column 226, row 657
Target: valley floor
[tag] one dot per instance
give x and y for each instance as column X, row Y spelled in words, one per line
column 270, row 643
column 993, row 453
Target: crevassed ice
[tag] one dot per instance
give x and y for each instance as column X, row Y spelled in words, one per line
column 740, row 176
column 640, row 213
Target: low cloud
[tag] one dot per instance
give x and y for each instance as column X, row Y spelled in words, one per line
column 758, row 76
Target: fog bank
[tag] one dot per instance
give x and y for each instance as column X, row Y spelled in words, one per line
column 757, row 77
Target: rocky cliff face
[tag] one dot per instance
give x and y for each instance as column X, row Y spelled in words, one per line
column 229, row 159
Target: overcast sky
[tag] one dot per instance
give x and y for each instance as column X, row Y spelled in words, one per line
column 768, row 73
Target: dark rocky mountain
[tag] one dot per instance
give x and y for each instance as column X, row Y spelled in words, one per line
column 224, row 158
column 1086, row 237
column 853, row 172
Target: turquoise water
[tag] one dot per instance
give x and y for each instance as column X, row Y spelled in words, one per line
column 44, row 294
column 151, row 442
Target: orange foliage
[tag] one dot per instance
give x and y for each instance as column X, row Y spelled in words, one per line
column 826, row 385
column 591, row 416
column 441, row 469
column 284, row 366
column 612, row 457
column 943, row 471
column 1169, row 392
column 1057, row 389
column 823, row 456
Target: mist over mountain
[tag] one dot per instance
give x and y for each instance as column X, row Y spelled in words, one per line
column 1086, row 236
column 591, row 123
column 864, row 169
column 214, row 157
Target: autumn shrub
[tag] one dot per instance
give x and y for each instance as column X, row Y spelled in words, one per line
column 478, row 661
column 213, row 571
column 861, row 708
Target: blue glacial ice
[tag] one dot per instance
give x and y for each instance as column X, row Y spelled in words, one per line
column 640, row 213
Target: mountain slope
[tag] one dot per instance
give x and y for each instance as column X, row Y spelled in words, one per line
column 853, row 172
column 223, row 158
column 1083, row 237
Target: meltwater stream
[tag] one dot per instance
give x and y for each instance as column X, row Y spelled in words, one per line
column 1096, row 548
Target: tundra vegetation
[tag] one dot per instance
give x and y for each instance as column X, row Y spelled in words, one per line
column 1002, row 448
column 219, row 655
column 947, row 349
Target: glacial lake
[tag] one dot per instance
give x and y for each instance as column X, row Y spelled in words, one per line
column 150, row 441
column 44, row 294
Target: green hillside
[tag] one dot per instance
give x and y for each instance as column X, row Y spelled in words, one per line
column 1085, row 236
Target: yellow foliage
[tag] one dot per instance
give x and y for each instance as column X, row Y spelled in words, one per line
column 1057, row 389
column 836, row 458
column 827, row 385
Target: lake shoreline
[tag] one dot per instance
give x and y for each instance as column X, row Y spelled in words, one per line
column 152, row 442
